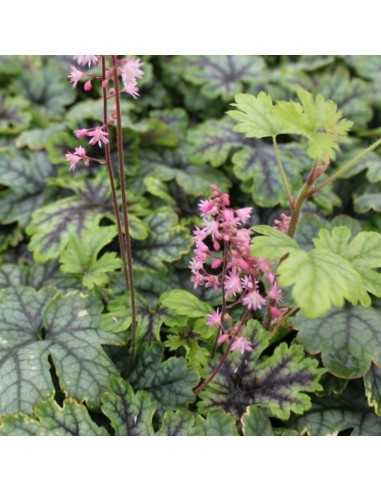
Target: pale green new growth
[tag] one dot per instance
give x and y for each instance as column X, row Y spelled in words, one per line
column 317, row 119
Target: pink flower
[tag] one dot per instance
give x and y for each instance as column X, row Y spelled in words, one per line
column 241, row 344
column 214, row 319
column 80, row 151
column 244, row 214
column 283, row 223
column 87, row 60
column 275, row 293
column 253, row 300
column 99, row 136
column 232, row 284
column 211, row 227
column 81, row 132
column 207, row 208
column 73, row 159
column 223, row 338
column 130, row 71
column 87, row 86
column 75, row 75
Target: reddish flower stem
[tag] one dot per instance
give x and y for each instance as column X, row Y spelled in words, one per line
column 124, row 203
column 122, row 245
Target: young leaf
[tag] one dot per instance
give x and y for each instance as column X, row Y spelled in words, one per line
column 255, row 422
column 36, row 325
column 169, row 383
column 72, row 419
column 130, row 413
column 363, row 252
column 167, row 241
column 81, row 256
column 184, row 303
column 279, row 382
column 349, row 339
column 25, row 179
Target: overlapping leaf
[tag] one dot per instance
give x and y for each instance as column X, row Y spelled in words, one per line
column 36, row 326
column 25, row 182
column 348, row 339
column 14, row 117
column 72, row 419
column 372, row 382
column 279, row 382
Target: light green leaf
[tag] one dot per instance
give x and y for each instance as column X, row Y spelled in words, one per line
column 278, row 382
column 81, row 256
column 363, row 253
column 34, row 327
column 320, row 280
column 349, row 339
column 130, row 413
column 184, row 303
column 36, row 138
column 255, row 422
column 272, row 244
column 72, row 419
column 170, row 383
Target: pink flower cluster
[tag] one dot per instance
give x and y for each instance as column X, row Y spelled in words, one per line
column 222, row 260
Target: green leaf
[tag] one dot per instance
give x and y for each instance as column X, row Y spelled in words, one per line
column 212, row 142
column 256, row 166
column 25, row 179
column 278, row 382
column 349, row 339
column 372, row 383
column 170, row 383
column 46, row 88
column 13, row 115
column 130, row 413
column 334, row 414
column 320, row 280
column 219, row 423
column 72, row 419
column 184, row 303
column 34, row 327
column 167, row 240
column 363, row 253
column 221, row 76
column 352, row 95
column 272, row 244
column 178, row 423
column 369, row 199
column 36, row 138
column 81, row 256
column 255, row 422
column 316, row 119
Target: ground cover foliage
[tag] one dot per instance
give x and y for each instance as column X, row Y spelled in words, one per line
column 309, row 360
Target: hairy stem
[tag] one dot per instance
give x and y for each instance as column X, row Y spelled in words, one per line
column 124, row 204
column 112, row 179
column 344, row 168
column 283, row 174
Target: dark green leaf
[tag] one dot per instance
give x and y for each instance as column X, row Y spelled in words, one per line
column 256, row 423
column 179, row 423
column 34, row 326
column 52, row 420
column 219, row 423
column 349, row 339
column 13, row 115
column 372, row 382
column 25, row 179
column 170, row 383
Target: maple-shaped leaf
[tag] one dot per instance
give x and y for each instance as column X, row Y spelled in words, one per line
column 278, row 382
column 316, row 119
column 80, row 256
column 50, row 419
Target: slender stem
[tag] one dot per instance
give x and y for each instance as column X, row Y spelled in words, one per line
column 124, row 204
column 223, row 308
column 345, row 168
column 283, row 174
column 224, row 356
column 298, row 208
column 112, row 180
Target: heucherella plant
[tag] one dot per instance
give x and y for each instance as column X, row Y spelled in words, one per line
column 129, row 70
